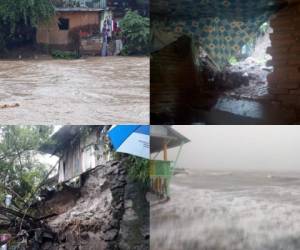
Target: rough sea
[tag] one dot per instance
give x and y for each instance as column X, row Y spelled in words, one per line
column 229, row 211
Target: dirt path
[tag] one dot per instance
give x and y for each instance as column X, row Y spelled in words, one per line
column 86, row 91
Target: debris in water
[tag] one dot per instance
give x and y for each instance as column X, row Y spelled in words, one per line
column 5, row 106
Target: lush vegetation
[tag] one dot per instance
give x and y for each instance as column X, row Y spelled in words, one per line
column 58, row 54
column 138, row 169
column 19, row 17
column 136, row 33
column 20, row 169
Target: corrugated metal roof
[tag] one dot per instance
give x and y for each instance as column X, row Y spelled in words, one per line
column 78, row 9
column 161, row 134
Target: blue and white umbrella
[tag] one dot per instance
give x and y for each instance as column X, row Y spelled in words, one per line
column 131, row 139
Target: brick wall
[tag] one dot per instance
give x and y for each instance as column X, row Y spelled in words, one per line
column 284, row 82
column 174, row 81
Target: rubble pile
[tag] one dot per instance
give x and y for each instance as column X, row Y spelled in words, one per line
column 104, row 210
column 252, row 80
column 247, row 78
column 23, row 231
column 94, row 220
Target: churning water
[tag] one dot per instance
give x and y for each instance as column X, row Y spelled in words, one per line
column 229, row 211
column 92, row 90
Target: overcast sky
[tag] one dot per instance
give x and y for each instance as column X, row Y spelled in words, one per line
column 240, row 147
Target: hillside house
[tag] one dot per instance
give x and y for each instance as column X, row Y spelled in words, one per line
column 79, row 150
column 69, row 27
column 78, row 25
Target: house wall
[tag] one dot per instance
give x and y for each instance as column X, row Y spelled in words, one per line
column 284, row 82
column 174, row 80
column 70, row 164
column 82, row 155
column 50, row 34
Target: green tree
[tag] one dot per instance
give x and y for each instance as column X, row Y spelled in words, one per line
column 20, row 169
column 18, row 16
column 136, row 33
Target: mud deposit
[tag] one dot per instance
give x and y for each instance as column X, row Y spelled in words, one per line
column 229, row 211
column 108, row 212
column 89, row 222
column 86, row 91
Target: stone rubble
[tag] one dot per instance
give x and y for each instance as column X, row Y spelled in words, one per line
column 249, row 78
column 94, row 222
column 245, row 79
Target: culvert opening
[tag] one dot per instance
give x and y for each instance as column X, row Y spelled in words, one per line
column 245, row 75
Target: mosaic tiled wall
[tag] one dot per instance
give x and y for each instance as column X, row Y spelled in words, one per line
column 220, row 27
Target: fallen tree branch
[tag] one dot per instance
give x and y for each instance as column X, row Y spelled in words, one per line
column 47, row 217
column 15, row 213
column 29, row 201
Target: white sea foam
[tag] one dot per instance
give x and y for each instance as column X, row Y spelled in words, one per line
column 246, row 217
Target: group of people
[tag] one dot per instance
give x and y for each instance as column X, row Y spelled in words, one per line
column 111, row 37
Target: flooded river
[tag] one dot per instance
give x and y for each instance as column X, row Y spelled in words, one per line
column 87, row 91
column 229, row 211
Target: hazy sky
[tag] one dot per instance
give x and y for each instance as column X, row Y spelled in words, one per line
column 240, row 147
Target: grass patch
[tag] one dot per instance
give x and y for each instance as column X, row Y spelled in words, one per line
column 58, row 54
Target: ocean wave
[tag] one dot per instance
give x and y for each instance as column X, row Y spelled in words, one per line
column 256, row 218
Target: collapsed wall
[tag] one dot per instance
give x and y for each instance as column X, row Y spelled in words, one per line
column 235, row 92
column 173, row 80
column 106, row 215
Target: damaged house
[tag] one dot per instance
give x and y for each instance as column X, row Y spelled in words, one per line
column 78, row 153
column 72, row 29
column 225, row 62
column 78, row 25
column 94, row 205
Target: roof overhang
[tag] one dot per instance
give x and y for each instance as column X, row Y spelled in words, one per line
column 163, row 134
column 62, row 138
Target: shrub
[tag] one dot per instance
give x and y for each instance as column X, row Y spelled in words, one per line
column 58, row 54
column 138, row 169
column 136, row 33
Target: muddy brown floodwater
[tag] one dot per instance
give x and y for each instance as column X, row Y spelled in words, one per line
column 86, row 91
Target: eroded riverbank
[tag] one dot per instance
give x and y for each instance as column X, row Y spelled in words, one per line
column 93, row 90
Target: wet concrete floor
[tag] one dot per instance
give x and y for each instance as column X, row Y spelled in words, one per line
column 86, row 91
